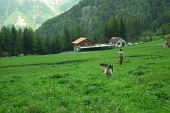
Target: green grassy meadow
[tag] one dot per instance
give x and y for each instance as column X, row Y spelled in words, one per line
column 75, row 82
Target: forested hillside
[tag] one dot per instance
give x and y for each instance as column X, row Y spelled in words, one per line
column 105, row 18
column 98, row 20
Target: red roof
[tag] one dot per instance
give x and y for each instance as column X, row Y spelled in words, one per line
column 114, row 39
column 79, row 40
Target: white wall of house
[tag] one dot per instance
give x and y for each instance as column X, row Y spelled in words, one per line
column 120, row 43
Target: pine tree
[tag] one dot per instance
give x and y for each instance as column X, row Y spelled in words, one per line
column 106, row 32
column 128, row 29
column 28, row 41
column 115, row 28
column 47, row 43
column 56, row 48
column 18, row 43
column 110, row 27
column 134, row 31
column 32, row 40
column 79, row 32
column 163, row 30
column 1, row 53
column 100, row 33
column 40, row 45
column 58, row 45
column 13, row 40
column 168, row 28
column 122, row 30
column 137, row 30
column 6, row 41
column 66, row 40
column 25, row 41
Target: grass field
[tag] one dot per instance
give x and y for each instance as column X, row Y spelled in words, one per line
column 75, row 83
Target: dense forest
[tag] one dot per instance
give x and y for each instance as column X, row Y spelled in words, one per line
column 138, row 16
column 98, row 20
column 15, row 42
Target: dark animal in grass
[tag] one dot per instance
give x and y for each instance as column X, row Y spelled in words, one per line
column 108, row 69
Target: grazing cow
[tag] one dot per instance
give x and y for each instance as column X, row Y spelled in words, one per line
column 166, row 42
column 108, row 69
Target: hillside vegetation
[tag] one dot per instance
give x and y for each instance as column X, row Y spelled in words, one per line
column 98, row 20
column 138, row 17
column 75, row 82
column 31, row 13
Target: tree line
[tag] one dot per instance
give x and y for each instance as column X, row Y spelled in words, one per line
column 14, row 42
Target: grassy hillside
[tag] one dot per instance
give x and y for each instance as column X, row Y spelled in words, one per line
column 74, row 82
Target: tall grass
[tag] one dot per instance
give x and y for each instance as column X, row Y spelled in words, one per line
column 74, row 82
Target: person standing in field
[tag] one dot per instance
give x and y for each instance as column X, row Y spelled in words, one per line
column 120, row 56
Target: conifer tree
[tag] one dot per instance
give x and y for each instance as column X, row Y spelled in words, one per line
column 25, row 41
column 32, row 40
column 137, row 30
column 110, row 27
column 40, row 45
column 79, row 32
column 18, row 43
column 66, row 40
column 56, row 48
column 1, row 53
column 13, row 40
column 100, row 33
column 115, row 28
column 47, row 43
column 28, row 41
column 6, row 41
column 163, row 30
column 122, row 29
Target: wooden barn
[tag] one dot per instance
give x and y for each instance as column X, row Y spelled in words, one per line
column 82, row 42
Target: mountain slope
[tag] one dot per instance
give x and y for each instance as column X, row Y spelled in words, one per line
column 150, row 14
column 31, row 12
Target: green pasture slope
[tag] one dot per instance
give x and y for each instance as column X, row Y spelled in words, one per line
column 75, row 83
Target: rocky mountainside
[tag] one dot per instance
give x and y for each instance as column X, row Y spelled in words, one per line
column 31, row 12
